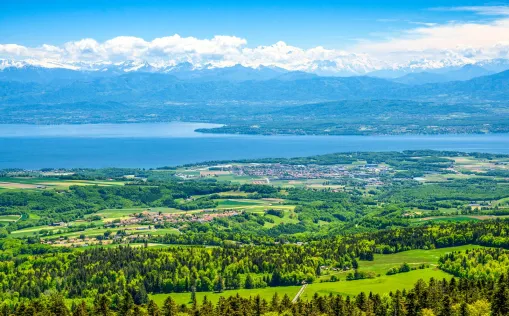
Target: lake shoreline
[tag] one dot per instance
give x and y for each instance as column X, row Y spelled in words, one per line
column 159, row 145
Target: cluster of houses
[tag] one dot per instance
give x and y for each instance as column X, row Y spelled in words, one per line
column 369, row 173
column 159, row 218
column 134, row 226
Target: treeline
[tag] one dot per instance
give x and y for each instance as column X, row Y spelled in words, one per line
column 433, row 158
column 441, row 298
column 146, row 270
column 476, row 264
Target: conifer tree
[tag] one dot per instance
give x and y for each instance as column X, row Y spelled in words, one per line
column 169, row 307
column 126, row 305
column 249, row 282
column 80, row 309
column 153, row 309
column 500, row 304
column 102, row 306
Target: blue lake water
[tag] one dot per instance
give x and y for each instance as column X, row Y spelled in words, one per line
column 156, row 145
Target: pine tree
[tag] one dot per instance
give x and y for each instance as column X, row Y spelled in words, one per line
column 258, row 308
column 152, row 309
column 126, row 305
column 500, row 304
column 463, row 309
column 169, row 307
column 276, row 278
column 361, row 302
column 286, row 302
column 193, row 294
column 206, row 307
column 249, row 282
column 219, row 285
column 102, row 307
column 57, row 306
column 138, row 311
column 318, row 270
column 398, row 306
column 81, row 309
column 274, row 303
column 141, row 296
column 446, row 306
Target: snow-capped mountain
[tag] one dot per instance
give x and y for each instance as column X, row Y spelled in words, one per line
column 421, row 71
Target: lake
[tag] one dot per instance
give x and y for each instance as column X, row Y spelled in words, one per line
column 170, row 144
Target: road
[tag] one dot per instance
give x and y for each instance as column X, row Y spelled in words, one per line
column 299, row 293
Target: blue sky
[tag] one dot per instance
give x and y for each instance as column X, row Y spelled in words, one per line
column 333, row 24
column 319, row 36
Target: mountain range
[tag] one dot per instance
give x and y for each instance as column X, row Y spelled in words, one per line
column 45, row 72
column 157, row 88
column 143, row 84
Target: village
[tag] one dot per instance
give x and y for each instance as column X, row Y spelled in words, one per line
column 370, row 174
column 134, row 227
column 150, row 217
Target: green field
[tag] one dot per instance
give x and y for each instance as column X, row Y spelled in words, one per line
column 239, row 203
column 26, row 180
column 51, row 182
column 414, row 258
column 266, row 293
column 32, row 230
column 100, row 231
column 9, row 218
column 381, row 285
column 286, row 219
column 456, row 218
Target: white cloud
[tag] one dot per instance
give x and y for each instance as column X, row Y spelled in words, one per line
column 13, row 50
column 219, row 51
column 483, row 10
column 427, row 45
column 453, row 42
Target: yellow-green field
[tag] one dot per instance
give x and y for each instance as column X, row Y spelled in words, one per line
column 379, row 285
column 9, row 218
column 44, row 183
column 267, row 293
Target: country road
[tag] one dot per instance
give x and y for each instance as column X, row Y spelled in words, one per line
column 299, row 293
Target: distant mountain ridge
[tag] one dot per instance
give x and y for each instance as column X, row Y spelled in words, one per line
column 43, row 72
column 464, row 73
column 160, row 88
column 33, row 72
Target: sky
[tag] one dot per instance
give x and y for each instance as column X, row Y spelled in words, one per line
column 355, row 36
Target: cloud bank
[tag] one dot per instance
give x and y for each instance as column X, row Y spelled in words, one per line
column 428, row 45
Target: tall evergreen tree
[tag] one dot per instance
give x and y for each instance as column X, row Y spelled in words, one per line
column 80, row 309
column 126, row 305
column 102, row 306
column 219, row 286
column 170, row 307
column 153, row 309
column 500, row 304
